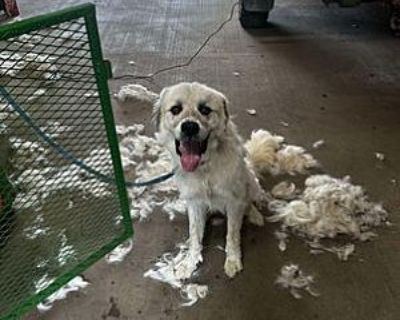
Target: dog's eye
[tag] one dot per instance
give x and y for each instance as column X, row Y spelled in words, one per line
column 204, row 110
column 175, row 110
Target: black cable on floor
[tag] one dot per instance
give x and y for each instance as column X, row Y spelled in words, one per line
column 188, row 61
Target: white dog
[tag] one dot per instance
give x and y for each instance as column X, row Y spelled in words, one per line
column 214, row 170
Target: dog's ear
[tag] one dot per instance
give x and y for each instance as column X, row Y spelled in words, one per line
column 226, row 102
column 156, row 116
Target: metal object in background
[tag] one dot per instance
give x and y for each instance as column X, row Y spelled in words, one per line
column 393, row 5
column 394, row 21
column 9, row 8
column 343, row 3
column 56, row 219
column 254, row 13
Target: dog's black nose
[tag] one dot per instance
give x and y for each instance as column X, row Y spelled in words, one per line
column 190, row 128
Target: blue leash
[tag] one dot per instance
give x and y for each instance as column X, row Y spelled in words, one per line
column 69, row 156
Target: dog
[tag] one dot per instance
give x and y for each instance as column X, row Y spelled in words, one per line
column 214, row 170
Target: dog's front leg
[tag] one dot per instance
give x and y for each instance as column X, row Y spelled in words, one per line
column 233, row 261
column 197, row 219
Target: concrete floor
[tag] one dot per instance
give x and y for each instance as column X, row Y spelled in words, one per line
column 330, row 73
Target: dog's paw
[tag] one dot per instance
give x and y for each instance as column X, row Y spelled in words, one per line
column 233, row 265
column 187, row 266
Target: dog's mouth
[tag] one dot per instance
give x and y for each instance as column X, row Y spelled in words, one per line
column 190, row 151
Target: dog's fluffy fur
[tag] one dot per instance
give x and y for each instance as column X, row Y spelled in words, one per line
column 223, row 180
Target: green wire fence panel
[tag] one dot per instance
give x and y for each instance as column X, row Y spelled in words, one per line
column 56, row 219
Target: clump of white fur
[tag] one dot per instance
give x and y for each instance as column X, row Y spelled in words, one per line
column 138, row 95
column 165, row 270
column 262, row 148
column 284, row 190
column 293, row 159
column 328, row 207
column 293, row 279
column 268, row 153
column 144, row 158
column 75, row 284
column 120, row 252
column 342, row 252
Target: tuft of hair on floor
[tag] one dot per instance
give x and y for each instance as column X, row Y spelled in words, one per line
column 318, row 144
column 120, row 252
column 342, row 252
column 380, row 156
column 75, row 284
column 283, row 239
column 296, row 281
column 285, row 190
column 164, row 271
column 329, row 207
column 137, row 95
column 269, row 153
column 251, row 112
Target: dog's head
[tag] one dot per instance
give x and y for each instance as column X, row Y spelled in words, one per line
column 190, row 118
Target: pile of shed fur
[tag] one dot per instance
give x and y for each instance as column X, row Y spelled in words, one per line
column 327, row 207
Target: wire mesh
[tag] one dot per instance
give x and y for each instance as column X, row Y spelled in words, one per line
column 55, row 219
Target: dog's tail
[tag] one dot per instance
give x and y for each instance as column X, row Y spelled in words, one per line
column 268, row 153
column 261, row 150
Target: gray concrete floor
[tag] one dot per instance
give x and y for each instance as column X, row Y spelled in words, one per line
column 330, row 73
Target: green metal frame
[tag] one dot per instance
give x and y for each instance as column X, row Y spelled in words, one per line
column 86, row 11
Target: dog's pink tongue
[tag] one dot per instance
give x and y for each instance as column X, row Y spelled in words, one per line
column 190, row 155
